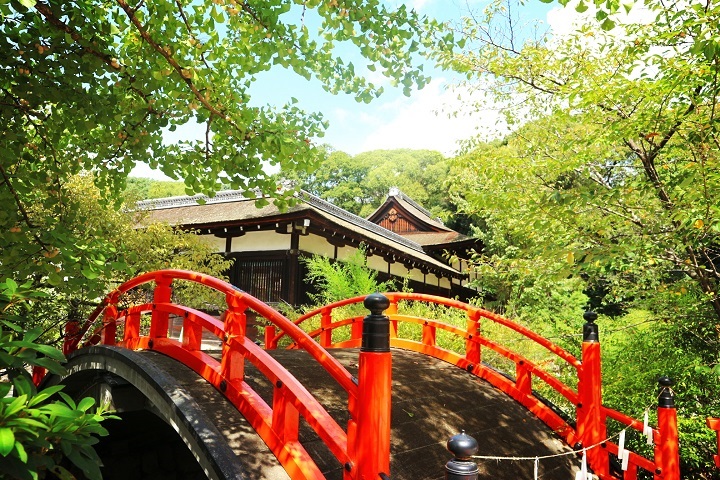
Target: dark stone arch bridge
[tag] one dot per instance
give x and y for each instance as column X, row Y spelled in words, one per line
column 351, row 395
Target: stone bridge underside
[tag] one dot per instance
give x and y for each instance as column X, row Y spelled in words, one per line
column 177, row 426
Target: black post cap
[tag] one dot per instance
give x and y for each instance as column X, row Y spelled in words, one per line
column 666, row 398
column 590, row 329
column 377, row 303
column 376, row 326
column 462, row 467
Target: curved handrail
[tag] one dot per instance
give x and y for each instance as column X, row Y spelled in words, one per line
column 520, row 388
column 334, row 368
column 277, row 425
column 394, row 297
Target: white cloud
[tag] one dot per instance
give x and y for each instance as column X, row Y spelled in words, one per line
column 564, row 21
column 430, row 119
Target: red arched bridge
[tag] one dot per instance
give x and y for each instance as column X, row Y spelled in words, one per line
column 349, row 395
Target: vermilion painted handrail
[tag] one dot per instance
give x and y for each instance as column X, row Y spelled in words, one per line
column 277, row 425
column 520, row 388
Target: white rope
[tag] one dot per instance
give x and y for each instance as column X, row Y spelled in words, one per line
column 544, row 457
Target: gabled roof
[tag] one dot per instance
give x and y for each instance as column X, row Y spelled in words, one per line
column 422, row 218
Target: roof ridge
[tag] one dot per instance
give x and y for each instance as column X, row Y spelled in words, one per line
column 222, row 196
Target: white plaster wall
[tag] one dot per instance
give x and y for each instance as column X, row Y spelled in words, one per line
column 377, row 262
column 261, row 241
column 417, row 275
column 445, row 283
column 345, row 252
column 398, row 269
column 217, row 244
column 317, row 245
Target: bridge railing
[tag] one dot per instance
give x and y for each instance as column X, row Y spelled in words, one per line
column 278, row 423
column 590, row 427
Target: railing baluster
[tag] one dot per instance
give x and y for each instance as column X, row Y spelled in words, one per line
column 270, row 341
column 429, row 334
column 232, row 365
column 326, row 334
column 132, row 327
column 191, row 335
column 523, row 378
column 109, row 330
column 714, row 424
column 285, row 417
column 72, row 331
column 472, row 349
column 390, row 311
column 160, row 320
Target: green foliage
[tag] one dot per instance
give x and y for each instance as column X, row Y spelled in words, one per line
column 339, row 280
column 610, row 179
column 89, row 88
column 118, row 250
column 146, row 188
column 38, row 431
column 361, row 183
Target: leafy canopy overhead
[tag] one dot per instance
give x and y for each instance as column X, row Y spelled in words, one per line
column 91, row 85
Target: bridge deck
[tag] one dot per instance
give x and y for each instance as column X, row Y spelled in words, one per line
column 432, row 401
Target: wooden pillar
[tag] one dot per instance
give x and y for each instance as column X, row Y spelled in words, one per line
column 293, row 270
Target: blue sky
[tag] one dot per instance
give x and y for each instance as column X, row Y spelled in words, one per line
column 393, row 120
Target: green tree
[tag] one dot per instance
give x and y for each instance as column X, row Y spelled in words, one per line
column 92, row 85
column 612, row 179
column 624, row 159
column 360, row 183
column 130, row 248
column 339, row 280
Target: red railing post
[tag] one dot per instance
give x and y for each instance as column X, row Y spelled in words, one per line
column 132, row 327
column 472, row 349
column 667, row 446
column 714, row 424
column 523, row 378
column 232, row 364
column 591, row 428
column 270, row 342
column 191, row 334
column 159, row 321
column 392, row 309
column 326, row 334
column 429, row 334
column 372, row 442
column 72, row 330
column 109, row 330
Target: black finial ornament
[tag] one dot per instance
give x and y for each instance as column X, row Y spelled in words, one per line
column 590, row 329
column 666, row 398
column 462, row 467
column 376, row 326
